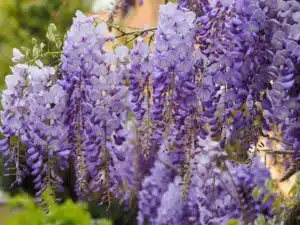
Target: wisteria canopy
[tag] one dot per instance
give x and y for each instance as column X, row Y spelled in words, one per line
column 174, row 119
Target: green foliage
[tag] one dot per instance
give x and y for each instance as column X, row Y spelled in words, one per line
column 49, row 55
column 291, row 211
column 26, row 212
column 257, row 192
column 20, row 20
column 53, row 35
column 286, row 209
column 233, row 222
column 260, row 220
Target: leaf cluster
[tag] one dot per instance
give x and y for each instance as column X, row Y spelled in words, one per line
column 25, row 211
column 20, row 20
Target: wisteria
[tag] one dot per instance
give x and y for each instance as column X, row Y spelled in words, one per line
column 32, row 106
column 173, row 119
column 214, row 197
column 96, row 103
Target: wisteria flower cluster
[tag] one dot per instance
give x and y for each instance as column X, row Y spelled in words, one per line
column 214, row 196
column 168, row 119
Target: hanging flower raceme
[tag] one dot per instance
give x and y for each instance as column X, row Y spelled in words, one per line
column 215, row 195
column 139, row 72
column 174, row 112
column 236, row 52
column 284, row 95
column 96, row 105
column 32, row 107
column 134, row 168
column 162, row 85
column 153, row 187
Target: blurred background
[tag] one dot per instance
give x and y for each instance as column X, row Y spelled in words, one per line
column 22, row 20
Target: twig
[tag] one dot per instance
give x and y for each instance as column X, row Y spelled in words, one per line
column 151, row 39
column 117, row 25
column 131, row 39
column 140, row 32
column 276, row 152
column 294, row 168
column 275, row 139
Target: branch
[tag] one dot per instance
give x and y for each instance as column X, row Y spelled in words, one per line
column 136, row 33
column 276, row 152
column 294, row 168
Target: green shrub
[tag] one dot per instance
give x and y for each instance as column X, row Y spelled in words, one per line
column 24, row 211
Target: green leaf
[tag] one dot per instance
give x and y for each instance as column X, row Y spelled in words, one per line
column 256, row 193
column 277, row 203
column 36, row 51
column 270, row 185
column 53, row 35
column 34, row 41
column 52, row 32
column 104, row 222
column 48, row 198
column 22, row 201
column 58, row 43
column 42, row 46
column 292, row 191
column 233, row 222
column 266, row 197
column 260, row 220
column 26, row 51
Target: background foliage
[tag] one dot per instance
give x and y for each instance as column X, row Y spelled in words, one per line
column 22, row 20
column 27, row 212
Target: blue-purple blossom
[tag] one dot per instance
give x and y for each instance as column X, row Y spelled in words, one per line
column 153, row 187
column 214, row 195
column 96, row 104
column 32, row 108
